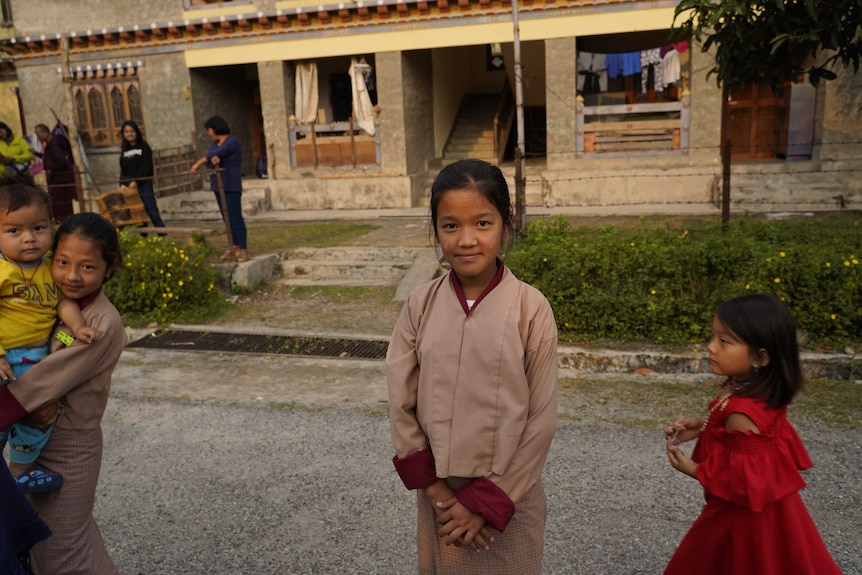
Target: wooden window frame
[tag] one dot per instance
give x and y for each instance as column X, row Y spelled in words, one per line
column 109, row 135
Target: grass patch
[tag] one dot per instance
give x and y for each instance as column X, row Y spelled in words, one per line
column 652, row 404
column 281, row 237
column 836, row 403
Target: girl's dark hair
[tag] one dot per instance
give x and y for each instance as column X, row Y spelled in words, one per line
column 139, row 137
column 96, row 229
column 763, row 321
column 218, row 125
column 478, row 175
column 42, row 127
column 5, row 126
column 19, row 192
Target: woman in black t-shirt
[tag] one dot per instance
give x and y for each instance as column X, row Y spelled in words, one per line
column 136, row 169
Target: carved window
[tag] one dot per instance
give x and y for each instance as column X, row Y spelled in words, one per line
column 102, row 105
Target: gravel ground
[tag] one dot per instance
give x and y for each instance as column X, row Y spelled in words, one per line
column 208, row 488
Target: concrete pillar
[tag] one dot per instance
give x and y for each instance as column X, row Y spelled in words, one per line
column 561, row 72
column 277, row 102
column 390, row 97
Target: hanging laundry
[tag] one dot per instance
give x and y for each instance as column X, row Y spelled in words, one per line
column 651, row 57
column 670, row 67
column 631, row 63
column 592, row 73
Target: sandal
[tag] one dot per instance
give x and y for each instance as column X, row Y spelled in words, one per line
column 227, row 256
column 242, row 256
column 37, row 481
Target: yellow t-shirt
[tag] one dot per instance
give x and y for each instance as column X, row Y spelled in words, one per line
column 28, row 304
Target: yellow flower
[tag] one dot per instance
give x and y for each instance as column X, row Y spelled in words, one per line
column 855, row 262
column 170, row 264
column 769, row 259
column 834, row 316
column 747, row 286
column 544, row 259
column 566, row 324
column 164, row 296
column 846, row 263
column 777, row 280
column 652, row 291
column 632, row 244
column 781, row 254
column 828, row 265
column 168, row 275
column 180, row 283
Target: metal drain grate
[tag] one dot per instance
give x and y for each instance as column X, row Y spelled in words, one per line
column 272, row 344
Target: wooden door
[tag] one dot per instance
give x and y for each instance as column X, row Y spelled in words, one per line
column 755, row 122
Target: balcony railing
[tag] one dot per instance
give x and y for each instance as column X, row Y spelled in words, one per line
column 333, row 145
column 625, row 130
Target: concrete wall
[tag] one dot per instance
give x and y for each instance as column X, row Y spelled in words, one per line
column 50, row 17
column 451, row 77
column 419, row 108
column 166, row 97
column 562, row 71
column 277, row 93
column 533, row 62
column 225, row 91
column 390, row 96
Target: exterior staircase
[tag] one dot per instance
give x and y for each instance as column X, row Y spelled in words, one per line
column 473, row 134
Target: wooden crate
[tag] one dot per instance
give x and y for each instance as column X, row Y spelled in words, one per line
column 123, row 207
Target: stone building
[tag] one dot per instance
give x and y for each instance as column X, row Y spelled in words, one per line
column 437, row 84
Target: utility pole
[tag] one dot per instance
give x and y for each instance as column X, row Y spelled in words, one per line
column 520, row 161
column 72, row 122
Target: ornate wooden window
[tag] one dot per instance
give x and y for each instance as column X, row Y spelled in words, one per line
column 102, row 105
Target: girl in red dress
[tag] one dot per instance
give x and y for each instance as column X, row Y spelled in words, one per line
column 748, row 456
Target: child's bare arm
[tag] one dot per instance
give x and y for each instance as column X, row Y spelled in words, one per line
column 44, row 417
column 70, row 313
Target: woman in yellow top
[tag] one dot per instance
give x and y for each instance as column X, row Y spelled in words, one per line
column 15, row 154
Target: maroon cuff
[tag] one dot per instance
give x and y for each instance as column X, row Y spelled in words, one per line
column 11, row 409
column 483, row 497
column 417, row 470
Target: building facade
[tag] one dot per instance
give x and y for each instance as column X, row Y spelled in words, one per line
column 358, row 104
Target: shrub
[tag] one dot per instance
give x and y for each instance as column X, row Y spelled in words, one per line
column 162, row 281
column 662, row 284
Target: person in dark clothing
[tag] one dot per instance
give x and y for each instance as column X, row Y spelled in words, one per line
column 20, row 527
column 225, row 154
column 136, row 169
column 60, row 172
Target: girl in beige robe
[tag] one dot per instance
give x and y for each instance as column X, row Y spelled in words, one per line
column 472, row 377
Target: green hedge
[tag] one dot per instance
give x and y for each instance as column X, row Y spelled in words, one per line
column 662, row 284
column 162, row 281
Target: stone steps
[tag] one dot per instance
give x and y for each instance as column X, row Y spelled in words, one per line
column 202, row 206
column 346, row 266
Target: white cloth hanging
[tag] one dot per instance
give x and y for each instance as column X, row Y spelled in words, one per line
column 363, row 110
column 306, row 93
column 670, row 67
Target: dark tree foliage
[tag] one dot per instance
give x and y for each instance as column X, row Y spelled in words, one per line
column 772, row 41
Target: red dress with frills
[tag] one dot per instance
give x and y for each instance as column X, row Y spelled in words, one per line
column 754, row 521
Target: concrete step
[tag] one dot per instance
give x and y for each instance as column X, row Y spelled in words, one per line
column 202, row 205
column 346, row 265
column 384, row 273
column 352, row 254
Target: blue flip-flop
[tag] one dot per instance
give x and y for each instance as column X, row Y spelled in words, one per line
column 35, row 480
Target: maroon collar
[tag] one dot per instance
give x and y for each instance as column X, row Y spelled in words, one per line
column 459, row 291
column 87, row 300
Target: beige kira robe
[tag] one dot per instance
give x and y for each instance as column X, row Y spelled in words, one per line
column 480, row 389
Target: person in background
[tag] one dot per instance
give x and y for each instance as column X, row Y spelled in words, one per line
column 136, row 169
column 225, row 154
column 15, row 154
column 59, row 172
